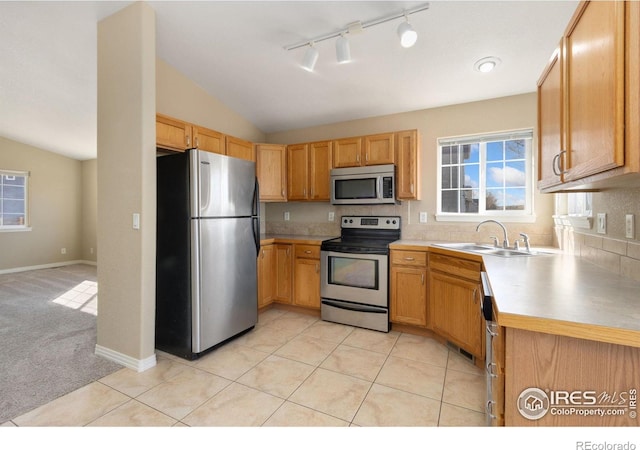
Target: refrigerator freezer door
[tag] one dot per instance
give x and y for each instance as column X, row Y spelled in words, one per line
column 222, row 186
column 224, row 285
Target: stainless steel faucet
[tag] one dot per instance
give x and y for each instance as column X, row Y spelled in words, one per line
column 505, row 242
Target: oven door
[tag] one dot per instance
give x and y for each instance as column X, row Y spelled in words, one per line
column 354, row 277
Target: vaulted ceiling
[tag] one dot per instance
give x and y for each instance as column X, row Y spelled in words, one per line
column 235, row 50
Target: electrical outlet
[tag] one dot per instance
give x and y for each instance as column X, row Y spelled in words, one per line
column 136, row 221
column 286, row 215
column 91, row 250
column 332, row 216
column 602, row 223
column 63, row 251
column 629, row 226
column 423, row 217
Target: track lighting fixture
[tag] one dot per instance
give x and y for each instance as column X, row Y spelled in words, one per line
column 343, row 52
column 407, row 34
column 310, row 58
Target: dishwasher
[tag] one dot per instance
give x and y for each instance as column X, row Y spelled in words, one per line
column 491, row 366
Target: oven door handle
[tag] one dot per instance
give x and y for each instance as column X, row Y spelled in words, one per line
column 358, row 308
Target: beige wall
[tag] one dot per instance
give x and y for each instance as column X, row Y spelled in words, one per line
column 127, row 185
column 499, row 114
column 89, row 209
column 179, row 97
column 55, row 192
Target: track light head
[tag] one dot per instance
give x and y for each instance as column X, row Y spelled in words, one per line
column 310, row 58
column 343, row 52
column 408, row 35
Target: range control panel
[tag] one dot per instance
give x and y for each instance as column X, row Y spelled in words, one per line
column 371, row 222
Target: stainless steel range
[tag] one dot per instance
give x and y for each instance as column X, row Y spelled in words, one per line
column 354, row 272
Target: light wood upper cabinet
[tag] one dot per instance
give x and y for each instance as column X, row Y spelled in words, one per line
column 551, row 140
column 271, row 169
column 588, row 99
column 297, row 171
column 208, row 140
column 407, row 159
column 364, row 151
column 320, row 154
column 172, row 134
column 308, row 167
column 379, row 149
column 347, row 152
column 239, row 148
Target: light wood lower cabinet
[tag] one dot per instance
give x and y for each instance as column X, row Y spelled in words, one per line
column 283, row 273
column 454, row 299
column 306, row 276
column 555, row 380
column 408, row 288
column 266, row 268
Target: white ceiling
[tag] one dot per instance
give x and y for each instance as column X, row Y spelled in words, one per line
column 235, row 51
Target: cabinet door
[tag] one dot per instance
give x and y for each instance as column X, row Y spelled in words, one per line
column 284, row 269
column 271, row 171
column 455, row 311
column 347, row 152
column 208, row 140
column 306, row 280
column 239, row 148
column 595, row 64
column 297, row 171
column 265, row 275
column 550, row 123
column 407, row 157
column 319, row 170
column 408, row 295
column 379, row 149
column 172, row 134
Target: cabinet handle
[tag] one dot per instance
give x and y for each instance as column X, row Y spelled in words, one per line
column 475, row 297
column 422, row 279
column 411, row 188
column 288, row 251
column 262, row 254
column 557, row 170
column 308, row 252
column 357, row 158
column 188, row 140
column 409, row 258
column 366, row 157
column 304, row 192
column 282, row 193
column 197, row 142
column 317, row 268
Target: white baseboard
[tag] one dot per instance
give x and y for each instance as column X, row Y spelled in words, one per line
column 139, row 365
column 47, row 266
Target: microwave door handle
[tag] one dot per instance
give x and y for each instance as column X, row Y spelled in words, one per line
column 380, row 187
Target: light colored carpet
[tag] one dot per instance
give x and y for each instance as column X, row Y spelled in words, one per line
column 47, row 336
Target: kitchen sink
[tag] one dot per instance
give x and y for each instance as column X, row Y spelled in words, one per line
column 488, row 249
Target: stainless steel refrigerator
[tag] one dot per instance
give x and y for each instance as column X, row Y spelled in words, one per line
column 208, row 239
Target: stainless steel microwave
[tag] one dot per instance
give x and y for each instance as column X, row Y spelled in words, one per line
column 368, row 185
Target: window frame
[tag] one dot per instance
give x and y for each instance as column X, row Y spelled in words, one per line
column 26, row 225
column 527, row 215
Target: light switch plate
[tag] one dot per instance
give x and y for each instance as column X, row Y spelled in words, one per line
column 601, row 226
column 332, row 216
column 629, row 226
column 286, row 215
column 136, row 221
column 423, row 217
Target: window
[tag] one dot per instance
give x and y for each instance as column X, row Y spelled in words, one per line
column 488, row 175
column 13, row 199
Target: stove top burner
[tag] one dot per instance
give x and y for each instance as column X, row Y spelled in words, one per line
column 365, row 234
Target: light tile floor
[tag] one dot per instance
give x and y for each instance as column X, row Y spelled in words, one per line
column 292, row 370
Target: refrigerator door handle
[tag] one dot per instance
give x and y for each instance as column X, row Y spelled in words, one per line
column 256, row 234
column 256, row 198
column 205, row 185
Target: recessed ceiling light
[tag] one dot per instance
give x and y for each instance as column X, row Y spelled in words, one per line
column 486, row 65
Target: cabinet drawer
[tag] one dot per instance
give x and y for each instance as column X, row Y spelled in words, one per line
column 308, row 251
column 455, row 266
column 409, row 258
